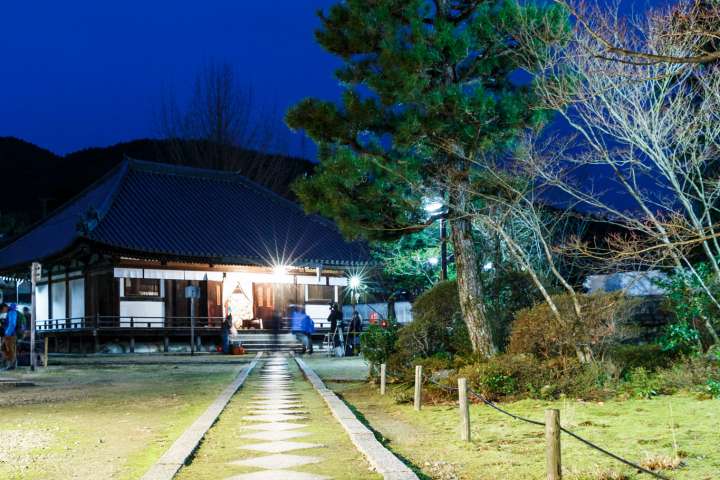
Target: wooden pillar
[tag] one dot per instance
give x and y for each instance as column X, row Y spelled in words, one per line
column 96, row 341
column 166, row 344
column 552, row 439
column 68, row 310
column 50, row 297
column 67, row 343
column 132, row 344
column 383, row 374
column 45, row 357
column 418, row 388
column 464, row 410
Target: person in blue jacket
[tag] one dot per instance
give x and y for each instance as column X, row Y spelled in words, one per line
column 9, row 331
column 303, row 327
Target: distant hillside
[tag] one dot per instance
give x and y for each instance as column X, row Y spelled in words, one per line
column 37, row 181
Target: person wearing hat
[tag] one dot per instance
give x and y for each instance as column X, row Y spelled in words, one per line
column 9, row 331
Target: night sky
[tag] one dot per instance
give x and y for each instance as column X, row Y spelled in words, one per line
column 82, row 73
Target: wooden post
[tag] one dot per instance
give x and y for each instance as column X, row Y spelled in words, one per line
column 383, row 374
column 418, row 387
column 464, row 410
column 166, row 344
column 45, row 357
column 132, row 344
column 96, row 341
column 552, row 439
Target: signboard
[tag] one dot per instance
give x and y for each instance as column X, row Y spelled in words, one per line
column 191, row 291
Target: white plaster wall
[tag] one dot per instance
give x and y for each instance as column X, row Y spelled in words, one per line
column 143, row 312
column 58, row 300
column 319, row 314
column 77, row 299
column 41, row 297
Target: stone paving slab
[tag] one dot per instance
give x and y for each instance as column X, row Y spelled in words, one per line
column 279, row 461
column 275, row 436
column 278, row 475
column 280, row 446
column 273, row 417
column 275, row 426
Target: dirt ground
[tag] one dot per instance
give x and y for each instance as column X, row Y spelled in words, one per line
column 104, row 418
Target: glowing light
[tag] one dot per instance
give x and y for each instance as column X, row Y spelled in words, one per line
column 280, row 271
column 433, row 206
column 433, row 261
column 355, row 282
column 488, row 266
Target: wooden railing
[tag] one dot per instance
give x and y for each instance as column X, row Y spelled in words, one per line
column 103, row 322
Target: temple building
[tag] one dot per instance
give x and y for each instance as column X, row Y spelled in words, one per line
column 116, row 260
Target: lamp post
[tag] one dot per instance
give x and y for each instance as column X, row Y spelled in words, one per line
column 435, row 208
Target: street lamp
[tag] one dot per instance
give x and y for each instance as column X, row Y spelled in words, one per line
column 434, row 208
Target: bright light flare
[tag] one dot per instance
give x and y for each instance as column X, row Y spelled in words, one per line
column 355, row 282
column 433, row 261
column 433, row 207
column 280, row 271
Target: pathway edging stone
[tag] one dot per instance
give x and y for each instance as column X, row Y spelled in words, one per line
column 381, row 459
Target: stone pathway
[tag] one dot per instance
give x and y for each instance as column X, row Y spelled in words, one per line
column 281, row 418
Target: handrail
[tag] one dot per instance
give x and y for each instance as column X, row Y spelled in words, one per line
column 99, row 322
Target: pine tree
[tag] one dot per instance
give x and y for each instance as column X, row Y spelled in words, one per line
column 429, row 92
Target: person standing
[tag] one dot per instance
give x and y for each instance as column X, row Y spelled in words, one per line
column 9, row 329
column 335, row 318
column 354, row 334
column 26, row 323
column 303, row 327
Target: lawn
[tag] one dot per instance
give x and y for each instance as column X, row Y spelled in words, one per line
column 505, row 448
column 103, row 419
column 223, row 444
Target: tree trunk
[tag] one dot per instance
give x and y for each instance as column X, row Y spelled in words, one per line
column 469, row 283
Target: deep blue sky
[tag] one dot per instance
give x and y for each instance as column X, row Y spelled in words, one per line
column 81, row 73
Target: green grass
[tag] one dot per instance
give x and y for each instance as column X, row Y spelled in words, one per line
column 102, row 421
column 223, row 445
column 505, row 448
column 679, row 425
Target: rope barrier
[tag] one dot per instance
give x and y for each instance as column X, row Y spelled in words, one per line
column 493, row 405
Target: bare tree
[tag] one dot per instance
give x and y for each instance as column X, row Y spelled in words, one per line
column 694, row 23
column 655, row 127
column 222, row 127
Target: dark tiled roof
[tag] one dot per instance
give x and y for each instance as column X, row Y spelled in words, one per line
column 187, row 213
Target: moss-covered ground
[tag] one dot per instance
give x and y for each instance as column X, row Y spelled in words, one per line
column 99, row 419
column 680, row 425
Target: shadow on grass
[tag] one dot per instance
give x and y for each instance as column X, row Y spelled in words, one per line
column 384, row 441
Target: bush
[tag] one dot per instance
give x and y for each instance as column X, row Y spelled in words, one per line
column 523, row 376
column 536, row 330
column 681, row 338
column 629, row 357
column 640, row 383
column 713, row 388
column 506, row 292
column 437, row 328
column 378, row 343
